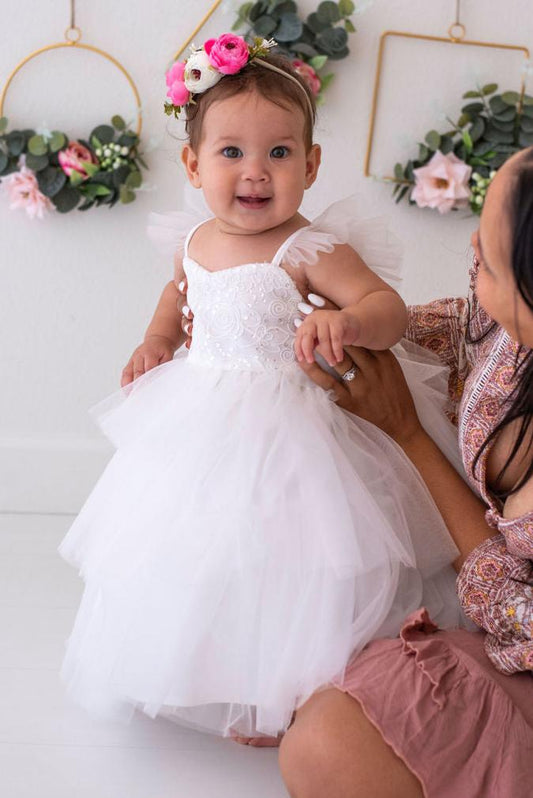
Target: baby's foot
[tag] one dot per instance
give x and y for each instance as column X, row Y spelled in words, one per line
column 259, row 742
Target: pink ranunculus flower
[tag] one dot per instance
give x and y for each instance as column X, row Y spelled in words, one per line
column 71, row 159
column 307, row 72
column 442, row 183
column 175, row 73
column 23, row 192
column 228, row 54
column 178, row 93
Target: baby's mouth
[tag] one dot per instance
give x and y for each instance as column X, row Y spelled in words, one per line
column 253, row 201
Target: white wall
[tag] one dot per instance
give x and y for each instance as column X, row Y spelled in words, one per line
column 78, row 290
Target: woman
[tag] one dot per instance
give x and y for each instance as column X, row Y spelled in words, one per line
column 449, row 714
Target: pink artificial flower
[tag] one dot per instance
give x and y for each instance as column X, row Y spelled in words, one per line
column 228, row 54
column 177, row 91
column 442, row 183
column 71, row 159
column 307, row 72
column 23, row 191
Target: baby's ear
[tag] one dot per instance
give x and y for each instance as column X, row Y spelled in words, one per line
column 190, row 161
column 312, row 163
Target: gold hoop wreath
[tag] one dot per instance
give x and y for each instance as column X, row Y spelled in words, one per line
column 50, row 171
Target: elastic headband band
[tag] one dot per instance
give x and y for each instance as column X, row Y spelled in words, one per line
column 286, row 75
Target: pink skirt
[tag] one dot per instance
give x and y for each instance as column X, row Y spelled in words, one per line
column 464, row 729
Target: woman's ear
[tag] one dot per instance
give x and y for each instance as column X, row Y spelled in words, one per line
column 313, row 159
column 190, row 161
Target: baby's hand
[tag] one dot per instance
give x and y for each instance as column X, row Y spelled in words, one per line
column 329, row 329
column 155, row 350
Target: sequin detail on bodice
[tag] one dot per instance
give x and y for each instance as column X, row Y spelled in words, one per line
column 243, row 316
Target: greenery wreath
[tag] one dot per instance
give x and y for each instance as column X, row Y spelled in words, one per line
column 309, row 43
column 454, row 169
column 48, row 170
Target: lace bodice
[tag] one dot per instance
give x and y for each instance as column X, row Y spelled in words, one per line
column 243, row 315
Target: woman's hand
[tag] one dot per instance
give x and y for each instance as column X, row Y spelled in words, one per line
column 377, row 391
column 155, row 349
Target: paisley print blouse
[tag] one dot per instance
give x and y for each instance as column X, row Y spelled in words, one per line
column 495, row 584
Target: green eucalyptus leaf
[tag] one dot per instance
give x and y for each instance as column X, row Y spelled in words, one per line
column 134, row 179
column 484, row 148
column 446, row 144
column 510, row 97
column 3, row 124
column 471, row 94
column 314, row 24
column 104, row 133
column 423, row 152
column 86, row 205
column 464, row 119
column 409, row 171
column 51, row 180
column 126, row 195
column 525, row 139
column 286, row 7
column 120, row 175
column 37, row 145
column 302, row 48
column 91, row 168
column 401, row 194
column 527, row 100
column 501, row 137
column 477, row 129
column 349, row 26
column 506, row 116
column 328, row 12
column 332, row 41
column 472, row 108
column 128, row 139
column 258, row 9
column 76, row 179
column 506, row 127
column 497, row 105
column 4, row 160
column 57, row 141
column 15, row 143
column 489, row 88
column 118, row 123
column 346, row 8
column 527, row 110
column 263, row 26
column 66, row 199
column 290, row 28
column 526, row 124
column 398, row 171
column 37, row 162
column 433, row 140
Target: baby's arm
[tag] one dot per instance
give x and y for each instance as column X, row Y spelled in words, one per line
column 163, row 335
column 372, row 314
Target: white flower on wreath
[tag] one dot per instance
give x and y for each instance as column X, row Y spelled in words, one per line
column 199, row 75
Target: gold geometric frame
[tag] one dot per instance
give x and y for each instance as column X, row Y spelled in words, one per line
column 72, row 39
column 199, row 27
column 455, row 37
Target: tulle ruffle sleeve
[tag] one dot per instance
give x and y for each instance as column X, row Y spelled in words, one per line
column 169, row 231
column 344, row 223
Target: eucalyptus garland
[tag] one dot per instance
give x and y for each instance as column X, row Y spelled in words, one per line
column 48, row 170
column 310, row 42
column 454, row 169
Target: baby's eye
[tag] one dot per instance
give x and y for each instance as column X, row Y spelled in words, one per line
column 231, row 152
column 279, row 152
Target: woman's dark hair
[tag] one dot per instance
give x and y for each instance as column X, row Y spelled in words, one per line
column 268, row 83
column 520, row 194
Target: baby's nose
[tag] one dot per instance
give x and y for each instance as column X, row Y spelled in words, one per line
column 255, row 169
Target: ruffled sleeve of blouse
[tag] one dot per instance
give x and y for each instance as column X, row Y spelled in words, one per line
column 344, row 222
column 496, row 591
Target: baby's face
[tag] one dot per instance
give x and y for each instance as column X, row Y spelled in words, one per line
column 252, row 163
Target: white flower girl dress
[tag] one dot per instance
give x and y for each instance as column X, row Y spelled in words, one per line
column 248, row 535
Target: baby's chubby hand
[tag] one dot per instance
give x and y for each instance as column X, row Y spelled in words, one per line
column 155, row 349
column 328, row 329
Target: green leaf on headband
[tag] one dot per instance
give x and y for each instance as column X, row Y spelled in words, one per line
column 325, row 80
column 318, row 61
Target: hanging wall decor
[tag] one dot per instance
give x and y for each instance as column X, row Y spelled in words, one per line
column 453, row 169
column 54, row 171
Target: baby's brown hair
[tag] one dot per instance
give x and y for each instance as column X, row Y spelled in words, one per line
column 268, row 83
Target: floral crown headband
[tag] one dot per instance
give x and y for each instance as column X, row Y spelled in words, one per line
column 206, row 65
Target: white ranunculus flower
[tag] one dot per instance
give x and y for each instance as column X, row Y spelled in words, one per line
column 199, row 75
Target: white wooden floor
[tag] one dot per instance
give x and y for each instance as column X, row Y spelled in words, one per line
column 51, row 749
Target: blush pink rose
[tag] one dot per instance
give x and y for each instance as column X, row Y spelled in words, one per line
column 71, row 159
column 23, row 192
column 308, row 74
column 442, row 183
column 228, row 54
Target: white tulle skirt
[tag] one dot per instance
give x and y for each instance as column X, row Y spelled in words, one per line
column 246, row 537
